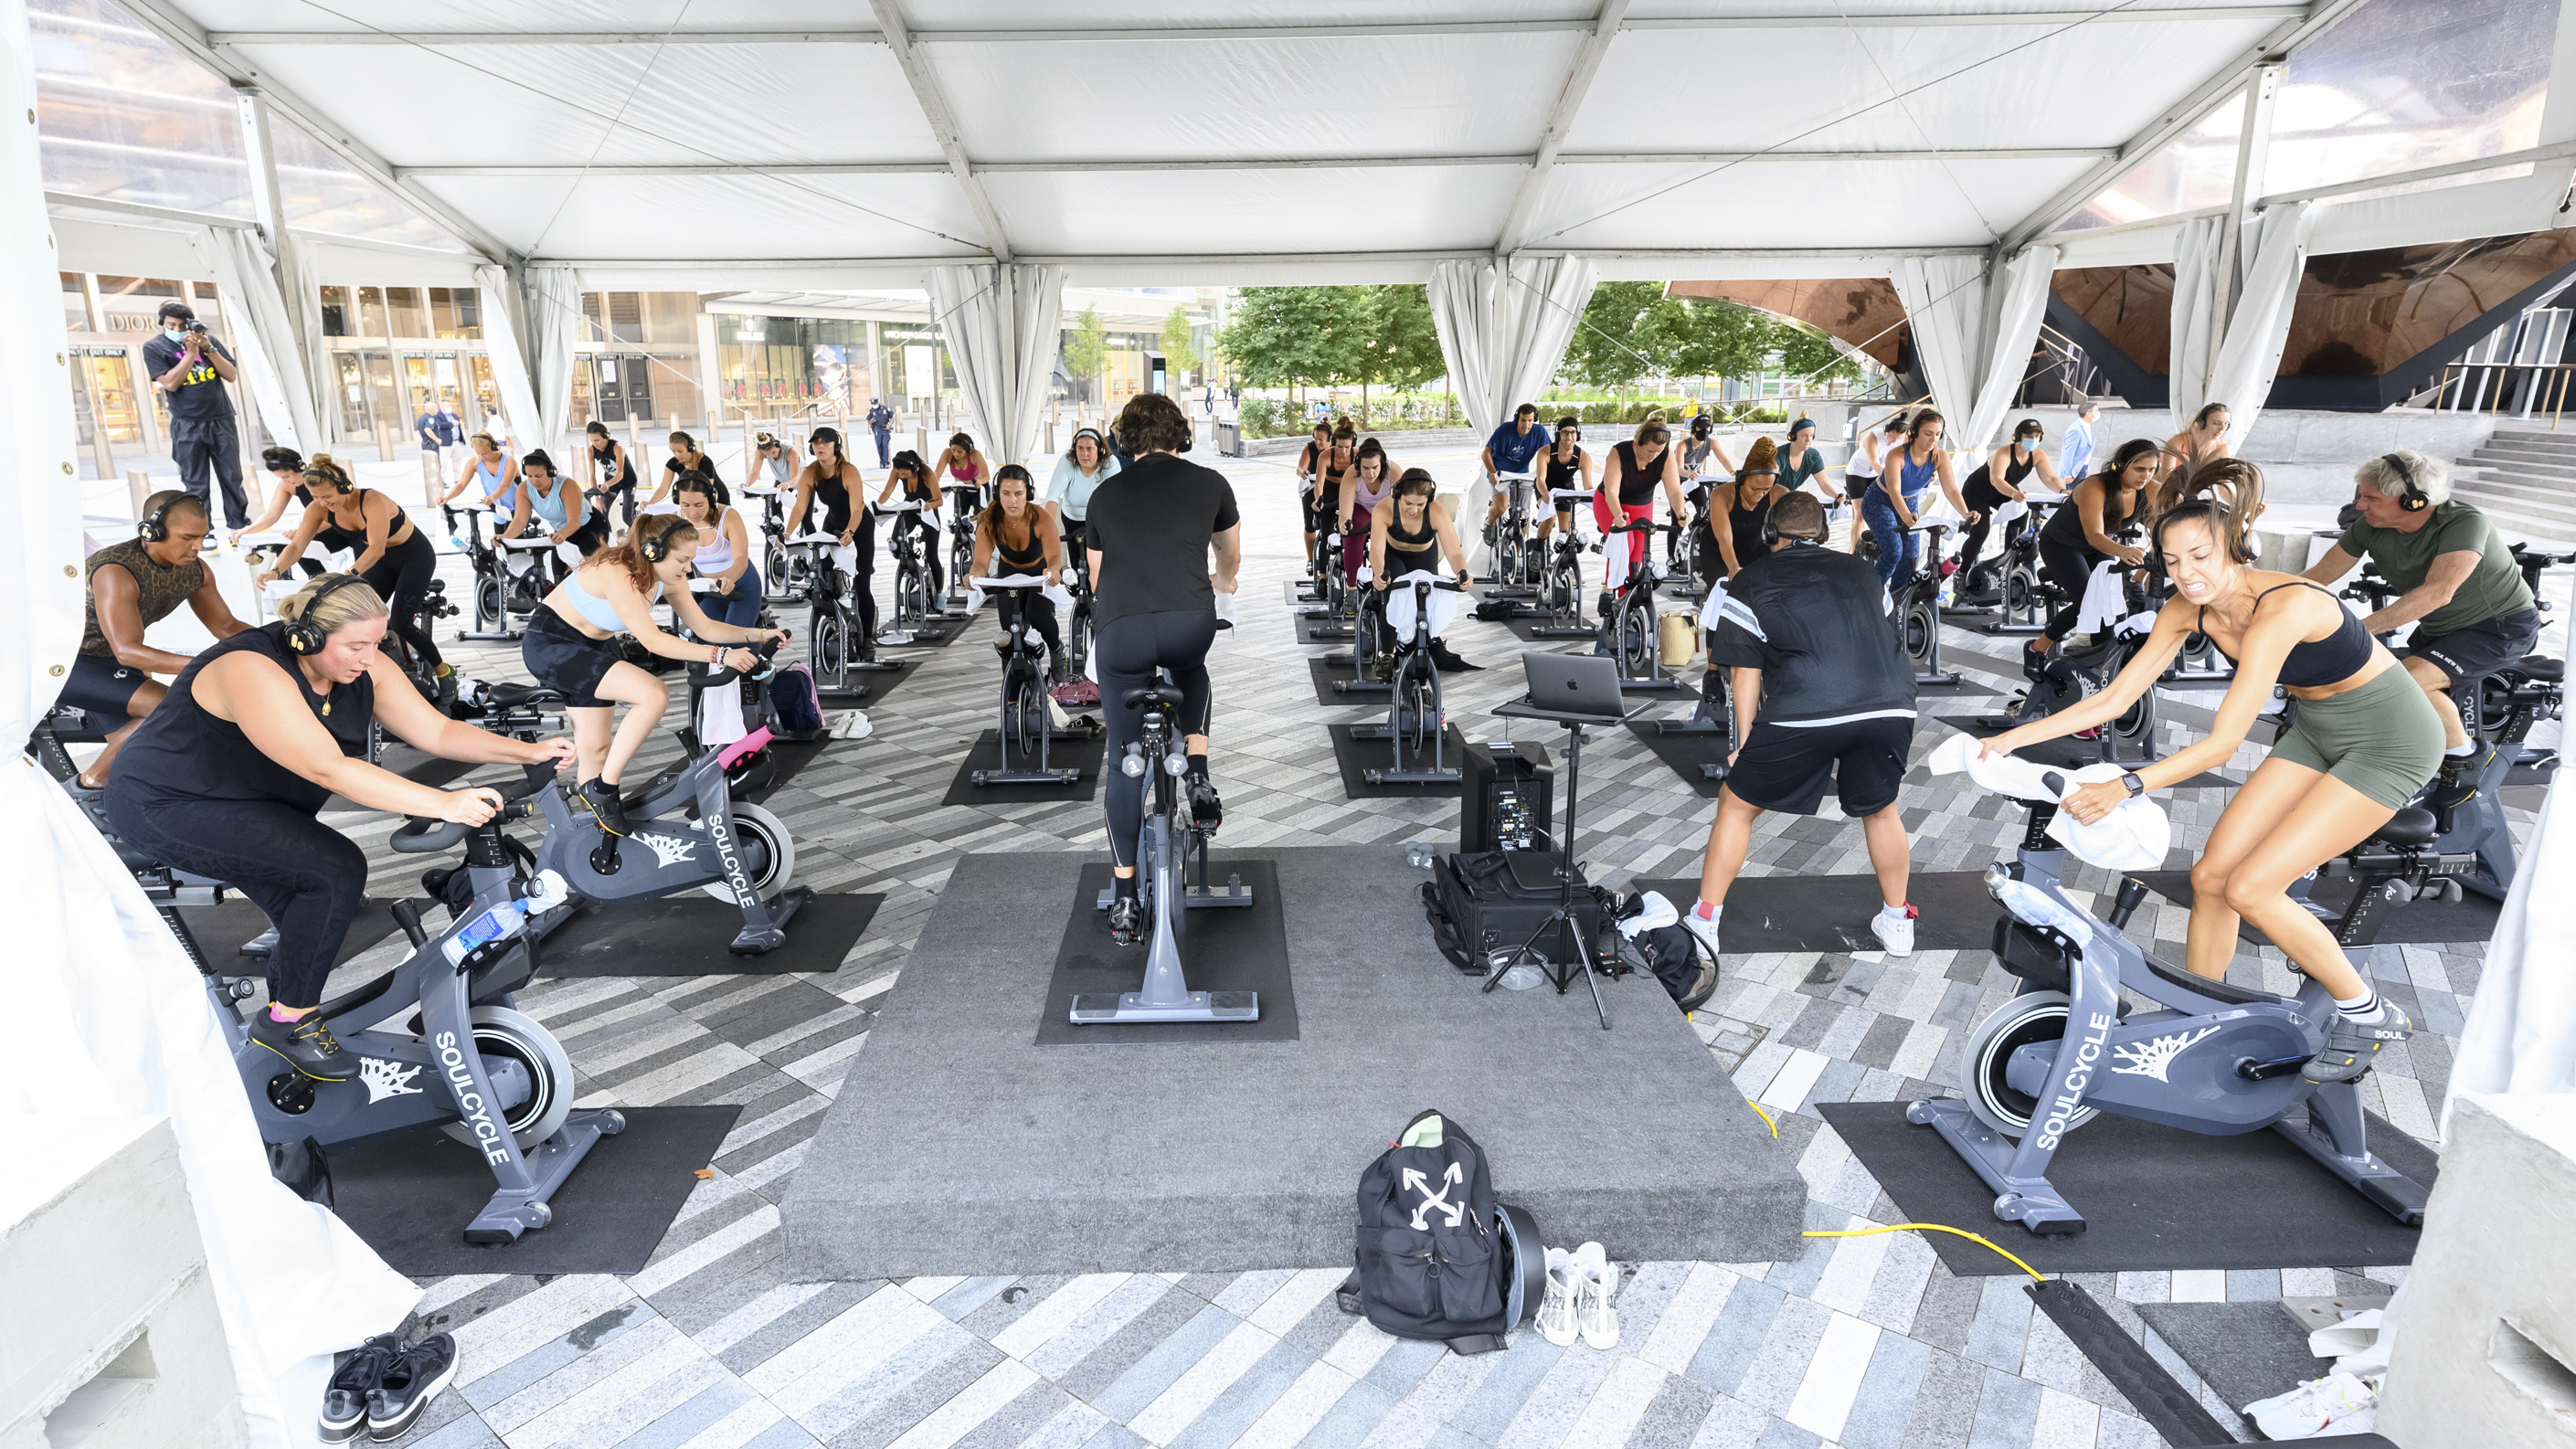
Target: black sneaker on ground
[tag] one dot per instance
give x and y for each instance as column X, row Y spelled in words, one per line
column 1126, row 920
column 601, row 800
column 1207, row 812
column 344, row 1401
column 411, row 1380
column 306, row 1044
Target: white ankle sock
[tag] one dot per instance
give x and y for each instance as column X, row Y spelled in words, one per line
column 1893, row 913
column 2360, row 1008
column 2464, row 751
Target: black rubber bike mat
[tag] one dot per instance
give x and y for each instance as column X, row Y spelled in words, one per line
column 1223, row 948
column 1684, row 754
column 1525, row 628
column 2152, row 1197
column 2069, row 753
column 936, row 633
column 1084, row 754
column 877, row 682
column 222, row 930
column 411, row 1193
column 1830, row 913
column 1325, row 675
column 2245, row 1351
column 2471, row 920
column 2175, row 1413
column 1353, row 756
column 690, row 935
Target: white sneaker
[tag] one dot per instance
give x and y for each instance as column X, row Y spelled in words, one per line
column 1896, row 933
column 2339, row 1400
column 1556, row 1314
column 1599, row 1278
column 1702, row 931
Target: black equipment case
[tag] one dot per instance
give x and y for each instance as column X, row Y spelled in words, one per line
column 1494, row 900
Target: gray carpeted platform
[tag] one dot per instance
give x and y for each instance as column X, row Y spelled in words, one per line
column 1027, row 1159
column 2245, row 1351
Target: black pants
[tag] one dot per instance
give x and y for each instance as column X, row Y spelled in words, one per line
column 1128, row 652
column 604, row 499
column 1972, row 541
column 403, row 577
column 214, row 448
column 307, row 877
column 862, row 580
column 931, row 538
column 1012, row 604
column 2071, row 570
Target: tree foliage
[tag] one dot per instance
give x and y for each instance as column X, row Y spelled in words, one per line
column 1632, row 331
column 1310, row 336
column 1178, row 355
column 1086, row 349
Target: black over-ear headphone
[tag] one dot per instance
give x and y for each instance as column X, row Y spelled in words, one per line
column 2413, row 500
column 655, row 546
column 303, row 636
column 156, row 524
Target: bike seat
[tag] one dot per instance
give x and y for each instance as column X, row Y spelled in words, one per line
column 2412, row 825
column 2216, row 990
column 506, row 695
column 1161, row 696
column 2541, row 667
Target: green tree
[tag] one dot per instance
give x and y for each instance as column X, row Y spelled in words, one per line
column 1408, row 341
column 1605, row 351
column 1810, row 356
column 1086, row 348
column 1178, row 355
column 1280, row 336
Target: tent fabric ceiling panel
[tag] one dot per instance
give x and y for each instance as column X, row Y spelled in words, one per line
column 2044, row 86
column 745, row 216
column 550, row 105
column 1460, row 95
column 936, row 16
column 459, row 16
column 1436, row 207
column 1820, row 203
column 1743, row 10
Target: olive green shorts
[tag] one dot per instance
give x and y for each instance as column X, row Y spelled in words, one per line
column 2382, row 739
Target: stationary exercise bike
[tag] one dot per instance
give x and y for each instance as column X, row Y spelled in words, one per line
column 1028, row 723
column 1517, row 564
column 1335, row 605
column 1560, row 598
column 685, row 829
column 1167, row 847
column 965, row 502
column 1367, row 658
column 439, row 1039
column 783, row 570
column 912, row 606
column 497, row 592
column 2499, row 709
column 2071, row 674
column 1629, row 637
column 2200, row 1055
column 1416, row 719
column 1918, row 612
column 836, row 647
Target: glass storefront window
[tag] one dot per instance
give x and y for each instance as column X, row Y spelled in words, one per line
column 670, row 318
column 350, row 389
column 456, row 314
column 111, row 395
column 337, row 318
column 128, row 304
column 75, row 303
column 410, row 317
column 371, row 312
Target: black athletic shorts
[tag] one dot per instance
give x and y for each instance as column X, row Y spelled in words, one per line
column 2478, row 649
column 1856, row 484
column 1785, row 767
column 102, row 686
column 566, row 660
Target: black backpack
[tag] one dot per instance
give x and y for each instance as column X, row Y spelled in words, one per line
column 1437, row 1258
column 1673, row 955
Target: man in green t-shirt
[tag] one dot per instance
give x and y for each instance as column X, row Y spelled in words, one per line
column 2458, row 585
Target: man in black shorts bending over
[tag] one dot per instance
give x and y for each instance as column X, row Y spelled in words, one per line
column 134, row 585
column 2461, row 590
column 1820, row 672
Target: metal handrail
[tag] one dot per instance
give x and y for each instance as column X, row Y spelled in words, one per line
column 2553, row 379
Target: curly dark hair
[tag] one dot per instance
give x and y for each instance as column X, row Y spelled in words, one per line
column 1152, row 423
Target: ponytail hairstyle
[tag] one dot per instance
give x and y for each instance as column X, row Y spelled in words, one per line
column 323, row 469
column 1898, row 424
column 595, row 428
column 665, row 534
column 2207, row 411
column 683, row 440
column 1416, row 480
column 281, row 460
column 700, row 484
column 2124, row 455
column 2224, row 496
column 1914, row 426
column 989, row 522
column 486, row 439
column 909, row 461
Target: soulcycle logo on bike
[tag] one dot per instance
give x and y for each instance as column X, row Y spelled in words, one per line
column 2099, row 1025
column 469, row 1102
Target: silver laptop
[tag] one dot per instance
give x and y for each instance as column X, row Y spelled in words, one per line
column 1574, row 684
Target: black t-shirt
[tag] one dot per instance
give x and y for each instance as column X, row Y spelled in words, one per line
column 1151, row 523
column 706, row 465
column 200, row 400
column 181, row 753
column 1815, row 622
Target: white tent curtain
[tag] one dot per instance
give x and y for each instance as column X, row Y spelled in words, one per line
column 1504, row 328
column 1945, row 304
column 1001, row 325
column 2025, row 301
column 554, row 316
column 1462, row 312
column 515, row 370
column 2251, row 356
column 2521, row 1033
column 272, row 356
column 127, row 1028
column 2195, row 314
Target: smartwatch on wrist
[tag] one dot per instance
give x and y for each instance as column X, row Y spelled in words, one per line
column 2137, row 786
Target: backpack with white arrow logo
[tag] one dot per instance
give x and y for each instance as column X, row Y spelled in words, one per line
column 1437, row 1258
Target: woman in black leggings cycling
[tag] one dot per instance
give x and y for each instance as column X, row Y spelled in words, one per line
column 393, row 555
column 2087, row 530
column 1149, row 532
column 224, row 779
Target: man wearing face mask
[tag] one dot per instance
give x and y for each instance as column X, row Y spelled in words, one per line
column 191, row 368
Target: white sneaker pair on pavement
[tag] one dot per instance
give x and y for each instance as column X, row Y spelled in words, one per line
column 1579, row 1287
column 1894, row 933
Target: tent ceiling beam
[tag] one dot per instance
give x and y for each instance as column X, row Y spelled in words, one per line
column 1688, row 254
column 943, row 125
column 1560, row 119
column 170, row 25
column 1263, row 163
column 68, row 202
column 2283, row 41
column 1825, row 17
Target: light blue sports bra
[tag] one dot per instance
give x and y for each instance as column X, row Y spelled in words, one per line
column 598, row 611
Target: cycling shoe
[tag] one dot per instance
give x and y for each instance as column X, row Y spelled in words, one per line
column 1207, row 812
column 2352, row 1047
column 1126, row 920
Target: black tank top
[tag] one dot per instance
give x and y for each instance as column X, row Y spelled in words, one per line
column 834, row 495
column 334, row 538
column 1636, row 485
column 2066, row 527
column 1980, row 493
column 2310, row 664
column 1564, row 475
column 182, row 754
column 1746, row 525
column 605, row 460
column 1029, row 558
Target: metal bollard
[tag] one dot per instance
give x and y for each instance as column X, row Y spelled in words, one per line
column 138, row 484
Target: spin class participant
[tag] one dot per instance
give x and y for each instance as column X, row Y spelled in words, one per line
column 1365, row 489
column 613, row 471
column 724, row 552
column 913, row 476
column 285, row 470
column 133, row 585
column 1631, row 477
column 1332, row 494
column 571, row 647
column 227, row 776
column 2091, row 529
column 2365, row 740
column 1828, row 693
column 547, row 497
column 2205, row 440
column 1860, row 475
column 1705, row 465
column 2473, row 613
column 686, row 458
column 1801, row 463
column 773, row 464
column 2001, row 477
column 1569, row 469
column 393, row 554
column 1149, row 536
column 1312, row 500
column 1078, row 474
column 491, row 475
column 835, row 482
column 1737, row 511
column 1015, row 536
column 1409, row 530
column 963, row 461
column 1905, row 475
column 1511, row 449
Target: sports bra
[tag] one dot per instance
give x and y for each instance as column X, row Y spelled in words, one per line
column 1564, row 476
column 601, row 613
column 1399, row 541
column 335, row 539
column 1030, row 558
column 1746, row 524
column 2313, row 663
column 1914, row 477
column 965, row 472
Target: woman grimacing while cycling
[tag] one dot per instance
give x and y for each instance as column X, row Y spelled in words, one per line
column 1150, row 532
column 2365, row 741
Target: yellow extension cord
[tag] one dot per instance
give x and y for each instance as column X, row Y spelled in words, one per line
column 2035, row 1275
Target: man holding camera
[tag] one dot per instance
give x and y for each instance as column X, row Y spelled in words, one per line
column 192, row 367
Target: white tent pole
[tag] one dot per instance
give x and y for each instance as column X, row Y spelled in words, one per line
column 2253, row 149
column 292, row 355
column 943, row 126
column 1569, row 102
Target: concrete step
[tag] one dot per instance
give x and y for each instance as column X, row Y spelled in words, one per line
column 2516, row 524
column 2545, row 492
column 2545, row 437
column 2524, row 452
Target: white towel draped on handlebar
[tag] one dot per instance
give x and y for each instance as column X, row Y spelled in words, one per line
column 1399, row 603
column 2105, row 598
column 2134, row 836
column 1057, row 594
